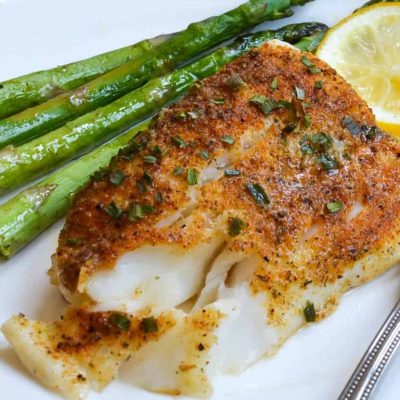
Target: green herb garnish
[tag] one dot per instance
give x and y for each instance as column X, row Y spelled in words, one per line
column 310, row 65
column 178, row 171
column 235, row 82
column 258, row 194
column 120, row 321
column 371, row 133
column 317, row 143
column 149, row 325
column 204, row 154
column 327, row 162
column 236, row 226
column 351, row 126
column 334, row 206
column 319, row 84
column 228, row 139
column 149, row 159
column 309, row 312
column 139, row 211
column 179, row 142
column 192, row 176
column 147, row 177
column 232, row 172
column 117, row 177
column 268, row 105
column 218, row 101
column 307, row 120
column 274, row 84
column 158, row 197
column 155, row 150
column 113, row 211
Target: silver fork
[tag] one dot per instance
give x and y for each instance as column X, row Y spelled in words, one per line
column 364, row 379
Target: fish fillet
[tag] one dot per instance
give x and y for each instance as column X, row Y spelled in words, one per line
column 244, row 212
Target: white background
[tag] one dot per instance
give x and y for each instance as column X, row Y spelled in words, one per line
column 313, row 365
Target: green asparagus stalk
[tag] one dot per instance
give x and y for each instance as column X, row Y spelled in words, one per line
column 36, row 121
column 29, row 213
column 29, row 90
column 310, row 43
column 22, row 164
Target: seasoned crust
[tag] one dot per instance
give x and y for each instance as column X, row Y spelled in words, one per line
column 298, row 187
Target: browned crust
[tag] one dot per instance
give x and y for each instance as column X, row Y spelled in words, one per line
column 298, row 187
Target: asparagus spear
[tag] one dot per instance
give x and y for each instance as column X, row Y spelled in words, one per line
column 34, row 122
column 24, row 163
column 310, row 43
column 17, row 94
column 29, row 213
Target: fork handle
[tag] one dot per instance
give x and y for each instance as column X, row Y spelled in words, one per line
column 364, row 379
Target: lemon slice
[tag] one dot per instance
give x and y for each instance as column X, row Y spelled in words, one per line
column 365, row 49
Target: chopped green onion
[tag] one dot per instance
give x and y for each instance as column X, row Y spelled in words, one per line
column 155, row 150
column 117, row 177
column 309, row 312
column 311, row 67
column 178, row 171
column 149, row 325
column 232, row 172
column 322, row 140
column 371, row 133
column 235, row 82
column 149, row 159
column 258, row 194
column 346, row 156
column 334, row 206
column 351, row 126
column 138, row 211
column 228, row 139
column 218, row 101
column 204, row 154
column 319, row 84
column 158, row 197
column 307, row 120
column 317, row 143
column 113, row 211
column 147, row 177
column 268, row 105
column 120, row 321
column 274, row 84
column 327, row 162
column 178, row 142
column 192, row 176
column 236, row 226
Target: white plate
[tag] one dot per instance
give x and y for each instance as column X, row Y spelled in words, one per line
column 313, row 365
